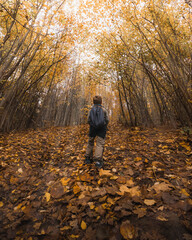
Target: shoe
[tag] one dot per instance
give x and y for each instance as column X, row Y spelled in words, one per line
column 99, row 164
column 88, row 160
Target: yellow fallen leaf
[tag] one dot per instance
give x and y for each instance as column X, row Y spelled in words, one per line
column 13, row 180
column 65, row 181
column 91, row 205
column 110, row 201
column 161, row 218
column 83, row 225
column 81, row 196
column 184, row 145
column 99, row 182
column 86, row 177
column 134, row 191
column 74, row 236
column 114, row 178
column 160, row 208
column 184, row 192
column 23, row 208
column 105, row 173
column 138, row 159
column 1, row 204
column 18, row 207
column 130, row 183
column 149, row 202
column 105, row 206
column 76, row 189
column 65, row 228
column 47, row 196
column 37, row 225
column 124, row 188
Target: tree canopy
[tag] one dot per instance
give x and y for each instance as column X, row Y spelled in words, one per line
column 55, row 55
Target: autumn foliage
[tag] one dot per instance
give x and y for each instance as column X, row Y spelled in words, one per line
column 54, row 57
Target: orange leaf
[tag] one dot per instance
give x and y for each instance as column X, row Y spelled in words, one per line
column 76, row 189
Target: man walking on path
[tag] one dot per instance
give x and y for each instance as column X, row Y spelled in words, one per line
column 98, row 120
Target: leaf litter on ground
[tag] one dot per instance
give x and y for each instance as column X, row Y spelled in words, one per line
column 47, row 192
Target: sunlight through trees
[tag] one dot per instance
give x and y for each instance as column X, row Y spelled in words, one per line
column 55, row 55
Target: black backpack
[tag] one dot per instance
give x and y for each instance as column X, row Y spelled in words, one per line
column 97, row 119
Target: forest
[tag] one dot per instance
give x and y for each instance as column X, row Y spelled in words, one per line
column 55, row 56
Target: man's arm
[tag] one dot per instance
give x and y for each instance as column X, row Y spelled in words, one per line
column 106, row 116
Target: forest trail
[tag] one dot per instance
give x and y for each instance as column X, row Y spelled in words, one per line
column 144, row 191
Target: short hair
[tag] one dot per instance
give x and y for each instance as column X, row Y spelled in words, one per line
column 97, row 100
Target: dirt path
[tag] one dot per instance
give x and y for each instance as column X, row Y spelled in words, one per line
column 144, row 191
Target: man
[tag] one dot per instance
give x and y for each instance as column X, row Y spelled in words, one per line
column 98, row 120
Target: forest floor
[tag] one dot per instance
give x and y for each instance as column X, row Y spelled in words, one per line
column 143, row 192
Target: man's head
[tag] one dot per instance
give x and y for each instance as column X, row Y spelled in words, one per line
column 97, row 100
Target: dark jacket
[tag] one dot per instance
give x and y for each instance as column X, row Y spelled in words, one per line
column 102, row 131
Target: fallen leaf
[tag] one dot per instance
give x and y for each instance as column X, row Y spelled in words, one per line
column 91, row 205
column 100, row 210
column 65, row 181
column 141, row 212
column 74, row 236
column 18, row 207
column 121, row 180
column 20, row 170
column 161, row 218
column 105, row 173
column 158, row 187
column 74, row 223
column 81, row 196
column 149, row 202
column 124, row 188
column 76, row 189
column 110, row 201
column 1, row 204
column 113, row 177
column 134, row 191
column 184, row 192
column 57, row 191
column 23, row 208
column 138, row 159
column 184, row 145
column 37, row 225
column 128, row 231
column 13, row 180
column 83, row 225
column 65, row 228
column 86, row 177
column 114, row 170
column 161, row 208
column 130, row 183
column 47, row 196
